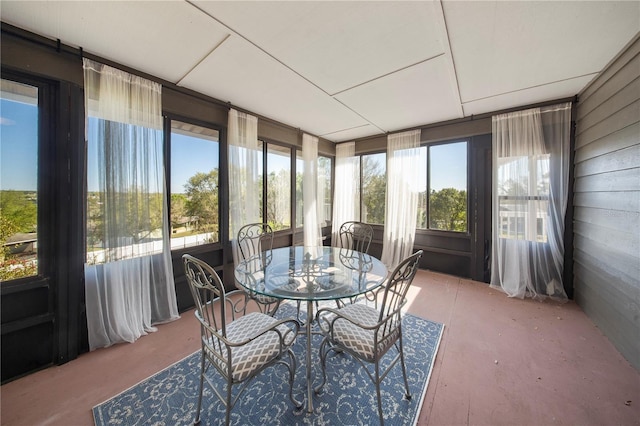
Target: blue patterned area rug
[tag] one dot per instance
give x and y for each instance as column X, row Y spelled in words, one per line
column 170, row 396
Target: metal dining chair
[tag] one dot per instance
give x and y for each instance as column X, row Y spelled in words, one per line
column 253, row 240
column 355, row 236
column 238, row 348
column 368, row 332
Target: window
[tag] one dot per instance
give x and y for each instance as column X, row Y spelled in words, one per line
column 18, row 180
column 195, row 179
column 448, row 187
column 324, row 191
column 299, row 189
column 278, row 187
column 323, row 194
column 421, row 221
column 523, row 197
column 374, row 185
column 443, row 201
column 133, row 224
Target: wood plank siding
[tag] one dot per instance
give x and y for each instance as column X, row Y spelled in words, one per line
column 607, row 202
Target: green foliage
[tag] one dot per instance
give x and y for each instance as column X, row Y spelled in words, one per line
column 279, row 199
column 13, row 268
column 178, row 208
column 7, row 228
column 18, row 214
column 20, row 208
column 202, row 199
column 374, row 186
column 133, row 215
column 448, row 210
column 95, row 220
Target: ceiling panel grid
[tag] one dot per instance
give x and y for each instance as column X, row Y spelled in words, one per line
column 350, row 69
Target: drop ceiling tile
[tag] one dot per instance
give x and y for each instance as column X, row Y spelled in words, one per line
column 418, row 95
column 337, row 45
column 239, row 73
column 499, row 46
column 352, row 134
column 547, row 92
column 164, row 39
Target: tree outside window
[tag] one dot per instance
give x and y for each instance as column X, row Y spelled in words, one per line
column 324, row 191
column 442, row 203
column 448, row 187
column 323, row 194
column 278, row 187
column 374, row 186
column 18, row 180
column 194, row 185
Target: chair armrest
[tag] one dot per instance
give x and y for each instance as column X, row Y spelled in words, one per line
column 290, row 324
column 339, row 315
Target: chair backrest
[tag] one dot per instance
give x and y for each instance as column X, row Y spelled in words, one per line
column 396, row 287
column 356, row 236
column 253, row 239
column 209, row 296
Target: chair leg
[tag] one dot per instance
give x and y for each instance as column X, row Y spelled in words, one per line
column 292, row 371
column 404, row 368
column 272, row 308
column 227, row 418
column 378, row 393
column 197, row 420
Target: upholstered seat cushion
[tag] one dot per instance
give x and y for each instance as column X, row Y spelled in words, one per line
column 246, row 359
column 358, row 339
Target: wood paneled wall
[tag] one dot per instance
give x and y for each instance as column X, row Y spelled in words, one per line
column 607, row 202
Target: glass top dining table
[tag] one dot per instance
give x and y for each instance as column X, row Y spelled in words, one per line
column 311, row 274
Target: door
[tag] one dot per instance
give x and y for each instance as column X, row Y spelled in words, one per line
column 26, row 227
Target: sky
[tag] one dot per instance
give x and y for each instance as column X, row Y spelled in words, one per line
column 189, row 154
column 449, row 166
column 18, row 143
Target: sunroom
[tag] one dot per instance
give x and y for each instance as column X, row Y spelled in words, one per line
column 523, row 123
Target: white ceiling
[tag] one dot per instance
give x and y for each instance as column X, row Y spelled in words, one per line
column 345, row 70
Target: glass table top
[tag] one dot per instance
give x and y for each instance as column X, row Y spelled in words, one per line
column 311, row 273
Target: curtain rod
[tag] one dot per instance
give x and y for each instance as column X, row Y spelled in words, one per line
column 483, row 116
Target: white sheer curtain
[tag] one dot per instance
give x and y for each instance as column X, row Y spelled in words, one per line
column 530, row 185
column 244, row 182
column 311, row 231
column 403, row 159
column 345, row 194
column 128, row 276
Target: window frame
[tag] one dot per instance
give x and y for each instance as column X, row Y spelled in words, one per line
column 223, row 224
column 443, row 232
column 530, row 222
column 292, row 190
column 332, row 159
column 361, row 181
column 332, row 176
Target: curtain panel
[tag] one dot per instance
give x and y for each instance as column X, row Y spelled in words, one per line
column 530, row 192
column 129, row 283
column 311, row 232
column 244, row 180
column 346, row 190
column 403, row 159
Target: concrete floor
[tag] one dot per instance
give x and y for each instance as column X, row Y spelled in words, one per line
column 501, row 362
